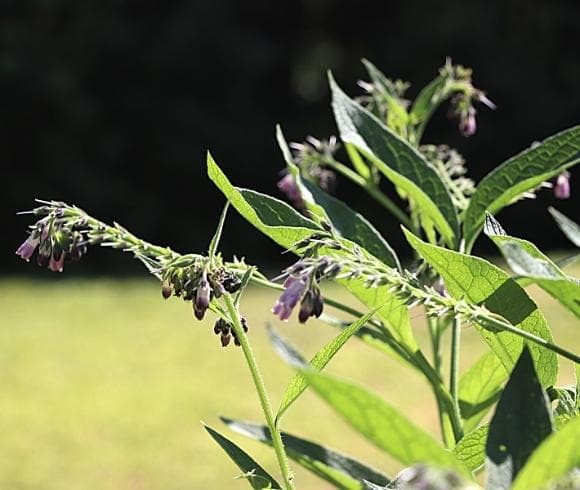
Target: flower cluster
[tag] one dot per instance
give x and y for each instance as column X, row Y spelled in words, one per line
column 463, row 110
column 57, row 239
column 312, row 157
column 302, row 286
column 198, row 283
column 226, row 331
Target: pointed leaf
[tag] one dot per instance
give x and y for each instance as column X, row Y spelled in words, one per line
column 479, row 389
column 482, row 283
column 522, row 420
column 341, row 470
column 319, row 361
column 399, row 162
column 556, row 456
column 518, row 175
column 527, row 261
column 347, row 222
column 381, row 423
column 257, row 477
column 568, row 227
column 271, row 216
column 286, row 227
column 470, row 450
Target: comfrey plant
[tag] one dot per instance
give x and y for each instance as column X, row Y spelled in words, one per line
column 531, row 440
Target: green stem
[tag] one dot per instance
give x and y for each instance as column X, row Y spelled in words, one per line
column 262, row 394
column 454, row 364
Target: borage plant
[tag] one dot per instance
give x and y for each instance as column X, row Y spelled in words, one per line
column 532, row 438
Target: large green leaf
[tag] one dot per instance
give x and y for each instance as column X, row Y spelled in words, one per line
column 286, row 227
column 482, row 283
column 518, row 175
column 298, row 384
column 522, row 420
column 347, row 222
column 554, row 458
column 338, row 468
column 471, row 448
column 527, row 261
column 479, row 389
column 381, row 423
column 255, row 475
column 568, row 227
column 399, row 162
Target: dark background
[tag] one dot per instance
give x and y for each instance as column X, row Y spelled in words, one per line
column 111, row 105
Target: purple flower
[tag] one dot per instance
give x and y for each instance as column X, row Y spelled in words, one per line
column 467, row 123
column 287, row 184
column 311, row 305
column 56, row 264
column 295, row 287
column 562, row 187
column 28, row 247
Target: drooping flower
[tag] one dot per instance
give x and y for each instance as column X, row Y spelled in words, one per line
column 56, row 262
column 28, row 246
column 311, row 305
column 202, row 298
column 295, row 289
column 467, row 123
column 287, row 184
column 562, row 186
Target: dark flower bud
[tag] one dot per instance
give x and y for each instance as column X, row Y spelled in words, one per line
column 317, row 304
column 166, row 289
column 225, row 339
column 202, row 298
column 306, row 307
column 288, row 186
column 231, row 283
column 244, row 324
column 220, row 326
column 237, row 341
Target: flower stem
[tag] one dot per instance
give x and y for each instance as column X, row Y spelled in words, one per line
column 262, row 394
column 454, row 367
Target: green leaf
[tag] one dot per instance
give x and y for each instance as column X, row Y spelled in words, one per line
column 256, row 476
column 518, row 175
column 348, row 223
column 482, row 283
column 553, row 459
column 470, row 450
column 286, row 227
column 381, row 423
column 298, row 384
column 426, row 103
column 568, row 227
column 385, row 85
column 399, row 162
column 479, row 389
column 527, row 261
column 271, row 216
column 339, row 469
column 522, row 420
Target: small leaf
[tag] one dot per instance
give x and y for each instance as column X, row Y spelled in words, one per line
column 522, row 420
column 479, row 389
column 381, row 423
column 341, row 470
column 257, row 477
column 568, row 227
column 518, row 175
column 471, row 448
column 482, row 283
column 527, row 261
column 319, row 361
column 399, row 162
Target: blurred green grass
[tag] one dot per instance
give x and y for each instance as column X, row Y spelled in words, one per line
column 104, row 386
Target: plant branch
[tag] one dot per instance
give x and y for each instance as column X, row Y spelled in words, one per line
column 262, row 393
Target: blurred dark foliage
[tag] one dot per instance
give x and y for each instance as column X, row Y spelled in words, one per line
column 112, row 104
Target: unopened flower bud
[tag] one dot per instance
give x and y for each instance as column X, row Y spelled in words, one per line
column 467, row 123
column 56, row 262
column 225, row 339
column 231, row 283
column 562, row 186
column 202, row 298
column 166, row 289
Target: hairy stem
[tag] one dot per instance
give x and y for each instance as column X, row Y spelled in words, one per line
column 261, row 391
column 454, row 364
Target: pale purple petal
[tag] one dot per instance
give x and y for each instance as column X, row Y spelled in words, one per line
column 28, row 247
